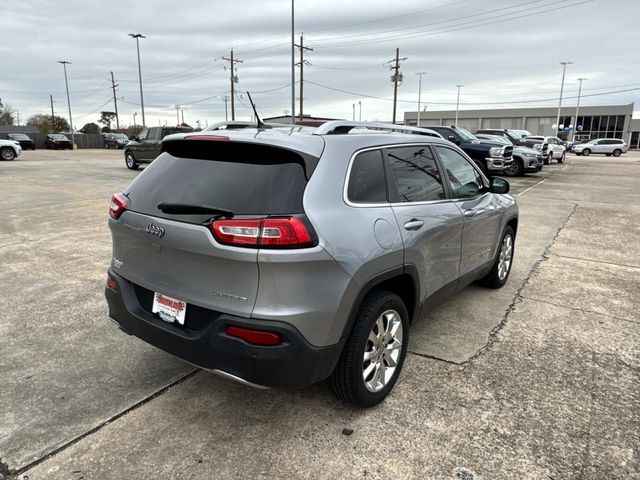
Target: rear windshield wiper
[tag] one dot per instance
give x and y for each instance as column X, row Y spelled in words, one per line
column 192, row 209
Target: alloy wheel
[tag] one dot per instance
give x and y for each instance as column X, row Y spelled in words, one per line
column 506, row 254
column 382, row 351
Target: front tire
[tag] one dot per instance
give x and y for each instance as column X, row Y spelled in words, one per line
column 130, row 161
column 7, row 153
column 517, row 168
column 499, row 273
column 561, row 159
column 372, row 359
column 586, row 152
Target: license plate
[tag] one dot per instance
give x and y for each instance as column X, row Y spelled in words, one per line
column 169, row 309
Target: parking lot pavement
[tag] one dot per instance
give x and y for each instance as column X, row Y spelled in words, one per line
column 537, row 380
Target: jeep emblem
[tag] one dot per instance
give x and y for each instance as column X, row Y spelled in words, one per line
column 155, row 230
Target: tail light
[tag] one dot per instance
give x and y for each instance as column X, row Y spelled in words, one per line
column 118, row 204
column 283, row 232
column 111, row 283
column 254, row 337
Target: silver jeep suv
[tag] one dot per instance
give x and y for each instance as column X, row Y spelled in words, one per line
column 280, row 256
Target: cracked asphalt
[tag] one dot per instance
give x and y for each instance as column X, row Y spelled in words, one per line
column 538, row 380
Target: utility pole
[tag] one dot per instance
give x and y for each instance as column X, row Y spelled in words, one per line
column 293, row 65
column 225, row 99
column 396, row 78
column 420, row 74
column 302, row 63
column 178, row 114
column 52, row 119
column 458, row 103
column 138, row 36
column 115, row 101
column 564, row 69
column 182, row 115
column 575, row 127
column 353, row 116
column 18, row 114
column 66, row 83
column 360, row 113
column 234, row 79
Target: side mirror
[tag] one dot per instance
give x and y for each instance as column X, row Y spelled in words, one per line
column 453, row 139
column 499, row 185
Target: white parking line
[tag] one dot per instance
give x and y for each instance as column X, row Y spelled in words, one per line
column 534, row 185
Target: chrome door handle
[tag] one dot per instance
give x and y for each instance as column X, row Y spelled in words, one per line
column 469, row 213
column 414, row 224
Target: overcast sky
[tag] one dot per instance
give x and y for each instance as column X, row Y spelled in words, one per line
column 502, row 51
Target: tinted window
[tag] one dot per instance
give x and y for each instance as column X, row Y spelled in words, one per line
column 171, row 130
column 464, row 180
column 246, row 179
column 143, row 134
column 366, row 182
column 416, row 177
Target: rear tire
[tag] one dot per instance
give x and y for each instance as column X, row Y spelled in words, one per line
column 499, row 273
column 586, row 152
column 617, row 152
column 130, row 161
column 372, row 359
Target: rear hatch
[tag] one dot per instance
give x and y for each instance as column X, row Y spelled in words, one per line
column 176, row 253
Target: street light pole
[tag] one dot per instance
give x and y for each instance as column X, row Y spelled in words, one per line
column 420, row 74
column 293, row 65
column 66, row 83
column 564, row 69
column 360, row 110
column 575, row 127
column 134, row 119
column 138, row 36
column 458, row 103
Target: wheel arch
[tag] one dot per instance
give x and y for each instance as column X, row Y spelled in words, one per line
column 403, row 281
column 513, row 223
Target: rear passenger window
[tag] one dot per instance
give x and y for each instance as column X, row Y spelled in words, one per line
column 366, row 182
column 416, row 177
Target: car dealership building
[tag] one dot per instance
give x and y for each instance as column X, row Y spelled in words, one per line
column 606, row 121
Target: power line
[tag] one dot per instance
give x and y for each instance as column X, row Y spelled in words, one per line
column 469, row 103
column 453, row 28
column 488, row 13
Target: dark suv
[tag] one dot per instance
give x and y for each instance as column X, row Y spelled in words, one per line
column 25, row 141
column 115, row 140
column 278, row 258
column 492, row 157
column 58, row 140
column 145, row 146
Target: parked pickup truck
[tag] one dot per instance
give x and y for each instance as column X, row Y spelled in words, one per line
column 492, row 157
column 510, row 135
column 145, row 147
column 551, row 147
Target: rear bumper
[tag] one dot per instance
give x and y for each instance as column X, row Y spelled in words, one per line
column 294, row 363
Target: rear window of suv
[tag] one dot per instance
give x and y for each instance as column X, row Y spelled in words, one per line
column 246, row 179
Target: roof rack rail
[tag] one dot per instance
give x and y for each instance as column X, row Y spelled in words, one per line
column 240, row 124
column 338, row 127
